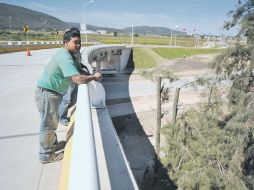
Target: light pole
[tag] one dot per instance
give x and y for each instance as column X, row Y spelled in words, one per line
column 10, row 22
column 132, row 35
column 176, row 27
column 196, row 38
column 171, row 36
column 84, row 6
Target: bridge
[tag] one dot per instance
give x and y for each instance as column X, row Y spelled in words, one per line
column 94, row 157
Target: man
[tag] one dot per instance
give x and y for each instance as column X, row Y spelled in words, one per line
column 58, row 73
column 70, row 96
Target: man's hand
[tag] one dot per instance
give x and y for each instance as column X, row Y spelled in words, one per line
column 84, row 79
column 97, row 76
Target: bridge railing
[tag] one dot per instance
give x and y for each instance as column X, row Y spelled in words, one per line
column 83, row 163
column 97, row 159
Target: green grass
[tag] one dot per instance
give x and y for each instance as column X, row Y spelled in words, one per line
column 152, row 40
column 142, row 59
column 6, row 35
column 172, row 53
column 32, row 36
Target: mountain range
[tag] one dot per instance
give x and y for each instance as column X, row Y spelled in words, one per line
column 15, row 17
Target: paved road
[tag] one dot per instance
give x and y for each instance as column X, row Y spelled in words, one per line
column 19, row 124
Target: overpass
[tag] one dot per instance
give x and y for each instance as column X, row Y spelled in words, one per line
column 94, row 157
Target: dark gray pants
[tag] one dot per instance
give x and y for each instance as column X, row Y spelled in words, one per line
column 47, row 104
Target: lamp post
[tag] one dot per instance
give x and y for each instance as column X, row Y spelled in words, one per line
column 10, row 26
column 196, row 38
column 171, row 36
column 132, row 41
column 84, row 7
column 10, row 22
column 176, row 27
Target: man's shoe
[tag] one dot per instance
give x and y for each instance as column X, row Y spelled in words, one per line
column 64, row 122
column 60, row 145
column 53, row 158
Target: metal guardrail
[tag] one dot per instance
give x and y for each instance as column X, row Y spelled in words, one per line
column 19, row 43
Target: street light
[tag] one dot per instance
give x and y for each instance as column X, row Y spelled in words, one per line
column 84, row 6
column 196, row 38
column 171, row 36
column 132, row 42
column 10, row 22
column 176, row 27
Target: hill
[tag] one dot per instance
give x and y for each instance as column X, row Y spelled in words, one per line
column 148, row 30
column 15, row 17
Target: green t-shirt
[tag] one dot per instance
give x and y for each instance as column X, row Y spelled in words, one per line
column 78, row 60
column 57, row 72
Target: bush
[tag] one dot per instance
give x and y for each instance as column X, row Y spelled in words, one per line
column 205, row 150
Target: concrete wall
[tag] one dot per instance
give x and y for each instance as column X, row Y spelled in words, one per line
column 124, row 58
column 108, row 59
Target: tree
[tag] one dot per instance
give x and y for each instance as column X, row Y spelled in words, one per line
column 243, row 15
column 215, row 150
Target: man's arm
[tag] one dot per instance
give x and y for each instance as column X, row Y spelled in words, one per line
column 84, row 79
column 82, row 72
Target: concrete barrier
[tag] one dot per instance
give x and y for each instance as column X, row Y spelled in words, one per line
column 108, row 59
column 94, row 157
column 17, row 46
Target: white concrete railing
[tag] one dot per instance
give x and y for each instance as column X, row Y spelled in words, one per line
column 112, row 52
column 97, row 159
column 83, row 166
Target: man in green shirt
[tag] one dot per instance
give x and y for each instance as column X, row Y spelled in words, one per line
column 70, row 96
column 58, row 73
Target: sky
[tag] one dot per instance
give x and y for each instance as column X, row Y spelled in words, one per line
column 203, row 16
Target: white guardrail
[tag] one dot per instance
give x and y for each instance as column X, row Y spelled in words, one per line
column 89, row 167
column 20, row 43
column 83, row 166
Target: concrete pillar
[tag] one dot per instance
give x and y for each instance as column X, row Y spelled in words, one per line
column 98, row 65
column 117, row 63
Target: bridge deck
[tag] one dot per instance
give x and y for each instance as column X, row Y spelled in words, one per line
column 19, row 119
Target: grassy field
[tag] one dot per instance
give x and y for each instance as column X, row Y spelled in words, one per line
column 32, row 36
column 151, row 40
column 172, row 53
column 142, row 59
column 104, row 39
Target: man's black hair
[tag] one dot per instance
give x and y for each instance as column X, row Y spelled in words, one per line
column 70, row 34
column 75, row 29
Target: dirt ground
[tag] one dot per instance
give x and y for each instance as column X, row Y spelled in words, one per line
column 137, row 131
